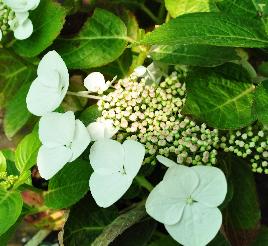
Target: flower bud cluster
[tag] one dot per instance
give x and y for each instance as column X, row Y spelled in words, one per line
column 151, row 114
column 250, row 142
column 7, row 16
column 7, row 181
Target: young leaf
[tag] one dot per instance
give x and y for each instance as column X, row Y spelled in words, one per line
column 194, row 55
column 261, row 97
column 90, row 114
column 209, row 29
column 86, row 221
column 180, row 7
column 26, row 152
column 101, row 41
column 222, row 103
column 3, row 162
column 48, row 20
column 14, row 72
column 17, row 114
column 10, row 209
column 69, row 185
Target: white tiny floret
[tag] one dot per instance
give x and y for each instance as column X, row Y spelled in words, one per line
column 186, row 202
column 63, row 140
column 101, row 129
column 115, row 165
column 95, row 82
column 50, row 87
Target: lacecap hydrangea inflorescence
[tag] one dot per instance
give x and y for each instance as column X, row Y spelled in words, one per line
column 151, row 114
column 7, row 17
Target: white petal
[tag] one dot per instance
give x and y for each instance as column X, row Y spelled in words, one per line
column 80, row 141
column 140, row 71
column 212, row 188
column 198, row 225
column 134, row 154
column 164, row 208
column 51, row 63
column 51, row 160
column 107, row 156
column 94, row 82
column 107, row 189
column 22, row 5
column 109, row 130
column 23, row 30
column 165, row 161
column 180, row 181
column 96, row 130
column 41, row 99
column 57, row 129
column 21, row 17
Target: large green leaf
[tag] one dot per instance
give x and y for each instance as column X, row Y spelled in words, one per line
column 69, row 185
column 194, row 55
column 14, row 72
column 16, row 114
column 180, row 7
column 221, row 103
column 101, row 40
column 10, row 209
column 210, row 29
column 26, row 152
column 261, row 97
column 86, row 221
column 90, row 114
column 262, row 237
column 48, row 20
column 3, row 162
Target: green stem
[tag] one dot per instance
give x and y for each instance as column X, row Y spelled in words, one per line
column 83, row 95
column 149, row 13
column 143, row 182
column 38, row 238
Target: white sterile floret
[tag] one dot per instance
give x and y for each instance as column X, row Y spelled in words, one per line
column 115, row 165
column 50, row 87
column 140, row 71
column 63, row 140
column 22, row 5
column 95, row 82
column 101, row 129
column 186, row 202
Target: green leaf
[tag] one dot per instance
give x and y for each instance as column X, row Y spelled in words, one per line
column 261, row 98
column 262, row 237
column 138, row 234
column 242, row 212
column 209, row 29
column 69, row 185
column 3, row 162
column 48, row 20
column 90, row 114
column 86, row 221
column 194, row 55
column 10, row 209
column 221, row 103
column 26, row 152
column 16, row 114
column 181, row 7
column 14, row 72
column 164, row 240
column 4, row 238
column 101, row 41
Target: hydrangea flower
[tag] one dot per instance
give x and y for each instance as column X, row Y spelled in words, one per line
column 14, row 17
column 95, row 82
column 50, row 87
column 101, row 129
column 186, row 201
column 115, row 165
column 64, row 139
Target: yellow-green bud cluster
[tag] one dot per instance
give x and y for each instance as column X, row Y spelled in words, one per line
column 7, row 15
column 251, row 143
column 7, row 181
column 151, row 115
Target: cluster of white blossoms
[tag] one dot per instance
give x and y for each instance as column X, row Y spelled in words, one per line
column 151, row 114
column 250, row 142
column 14, row 17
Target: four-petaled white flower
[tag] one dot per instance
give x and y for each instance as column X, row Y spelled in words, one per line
column 101, row 129
column 50, row 87
column 64, row 139
column 21, row 25
column 186, row 201
column 95, row 82
column 115, row 165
